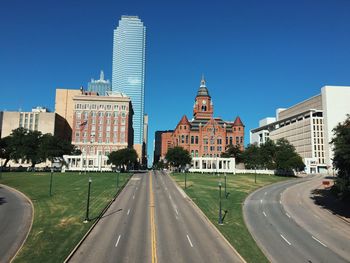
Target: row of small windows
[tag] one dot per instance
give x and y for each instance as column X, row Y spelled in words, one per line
column 101, row 122
column 85, row 115
column 80, row 106
column 29, row 121
column 183, row 139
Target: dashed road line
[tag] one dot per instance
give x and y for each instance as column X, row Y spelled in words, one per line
column 264, row 214
column 287, row 215
column 261, row 201
column 285, row 239
column 128, row 212
column 189, row 240
column 116, row 244
column 319, row 241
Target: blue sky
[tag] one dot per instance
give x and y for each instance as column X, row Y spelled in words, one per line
column 256, row 55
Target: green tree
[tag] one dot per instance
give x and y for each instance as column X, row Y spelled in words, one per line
column 31, row 147
column 233, row 151
column 268, row 154
column 341, row 158
column 124, row 157
column 287, row 158
column 52, row 147
column 252, row 157
column 16, row 144
column 5, row 149
column 178, row 157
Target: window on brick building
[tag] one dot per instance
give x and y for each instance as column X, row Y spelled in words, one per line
column 205, row 141
column 196, row 153
column 196, row 139
column 231, row 142
column 219, row 141
column 182, row 138
column 226, row 140
column 212, row 148
column 186, row 139
column 192, row 153
column 241, row 141
column 237, row 140
column 192, row 139
column 206, row 149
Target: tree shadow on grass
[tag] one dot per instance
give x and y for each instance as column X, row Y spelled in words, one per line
column 327, row 200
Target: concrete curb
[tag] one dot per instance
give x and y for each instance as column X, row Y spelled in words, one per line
column 32, row 218
column 97, row 220
column 183, row 193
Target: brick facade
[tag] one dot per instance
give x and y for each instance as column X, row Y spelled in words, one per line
column 204, row 135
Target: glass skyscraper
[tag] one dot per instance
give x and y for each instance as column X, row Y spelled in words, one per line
column 128, row 72
column 101, row 86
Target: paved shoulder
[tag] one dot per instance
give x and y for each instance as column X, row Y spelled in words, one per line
column 16, row 214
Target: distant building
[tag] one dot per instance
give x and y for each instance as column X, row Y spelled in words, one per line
column 100, row 86
column 39, row 119
column 158, row 145
column 204, row 135
column 102, row 124
column 128, row 72
column 308, row 126
column 64, row 107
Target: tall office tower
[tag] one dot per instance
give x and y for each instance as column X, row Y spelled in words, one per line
column 128, row 72
column 101, row 86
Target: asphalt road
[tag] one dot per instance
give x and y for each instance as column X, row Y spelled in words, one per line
column 276, row 231
column 331, row 230
column 15, row 221
column 152, row 221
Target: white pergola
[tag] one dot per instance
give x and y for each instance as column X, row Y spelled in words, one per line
column 86, row 163
column 212, row 165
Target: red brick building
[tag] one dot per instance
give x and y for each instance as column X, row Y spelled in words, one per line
column 102, row 124
column 204, row 135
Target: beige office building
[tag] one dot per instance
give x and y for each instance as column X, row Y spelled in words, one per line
column 64, row 107
column 308, row 126
column 39, row 119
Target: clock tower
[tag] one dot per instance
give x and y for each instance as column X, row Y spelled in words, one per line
column 203, row 107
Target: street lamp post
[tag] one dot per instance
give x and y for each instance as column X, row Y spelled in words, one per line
column 220, row 212
column 51, row 174
column 225, row 187
column 88, row 203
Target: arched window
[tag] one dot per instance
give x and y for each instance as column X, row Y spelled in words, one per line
column 204, row 107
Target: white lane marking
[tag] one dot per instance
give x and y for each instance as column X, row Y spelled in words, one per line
column 319, row 241
column 128, row 212
column 189, row 240
column 280, row 202
column 285, row 239
column 116, row 244
column 265, row 193
column 316, row 216
column 133, row 197
column 176, row 211
column 169, row 196
column 287, row 215
column 260, row 201
column 264, row 214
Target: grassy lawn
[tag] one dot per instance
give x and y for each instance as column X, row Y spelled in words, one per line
column 204, row 191
column 58, row 220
